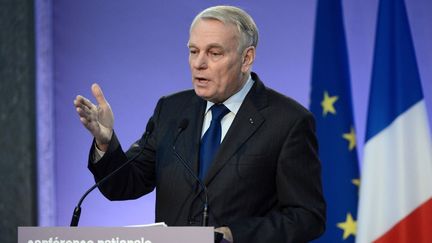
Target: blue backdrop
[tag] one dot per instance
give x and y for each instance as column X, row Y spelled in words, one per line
column 136, row 50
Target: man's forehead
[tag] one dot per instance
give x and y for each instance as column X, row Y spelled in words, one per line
column 211, row 32
column 215, row 23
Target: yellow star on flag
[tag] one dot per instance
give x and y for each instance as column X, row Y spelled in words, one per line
column 328, row 103
column 351, row 137
column 349, row 226
column 356, row 182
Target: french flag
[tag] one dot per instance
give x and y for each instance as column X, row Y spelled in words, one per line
column 396, row 182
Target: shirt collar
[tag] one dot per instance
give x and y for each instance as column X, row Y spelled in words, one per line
column 234, row 102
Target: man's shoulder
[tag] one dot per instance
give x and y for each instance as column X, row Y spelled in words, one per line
column 277, row 101
column 179, row 101
column 286, row 103
column 275, row 104
column 184, row 94
column 282, row 109
column 180, row 97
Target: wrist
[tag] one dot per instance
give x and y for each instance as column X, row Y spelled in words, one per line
column 102, row 146
column 102, row 142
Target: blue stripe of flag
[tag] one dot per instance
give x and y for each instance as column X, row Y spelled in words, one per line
column 395, row 84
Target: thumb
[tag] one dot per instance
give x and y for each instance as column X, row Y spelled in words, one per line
column 98, row 94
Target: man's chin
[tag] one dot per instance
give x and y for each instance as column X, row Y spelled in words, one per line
column 204, row 97
column 202, row 93
column 207, row 97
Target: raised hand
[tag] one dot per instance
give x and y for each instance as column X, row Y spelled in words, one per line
column 99, row 120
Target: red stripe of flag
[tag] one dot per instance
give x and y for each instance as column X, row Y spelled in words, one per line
column 415, row 227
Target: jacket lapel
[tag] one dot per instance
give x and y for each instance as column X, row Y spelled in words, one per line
column 246, row 122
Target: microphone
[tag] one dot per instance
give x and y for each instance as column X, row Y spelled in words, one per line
column 182, row 126
column 77, row 211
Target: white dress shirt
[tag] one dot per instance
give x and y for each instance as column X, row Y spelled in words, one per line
column 233, row 104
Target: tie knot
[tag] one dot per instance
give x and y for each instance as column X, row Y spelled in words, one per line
column 218, row 112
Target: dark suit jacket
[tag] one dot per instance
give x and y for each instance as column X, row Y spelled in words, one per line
column 264, row 184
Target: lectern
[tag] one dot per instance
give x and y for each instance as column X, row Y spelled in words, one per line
column 115, row 235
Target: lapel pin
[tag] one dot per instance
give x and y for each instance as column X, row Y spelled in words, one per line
column 251, row 120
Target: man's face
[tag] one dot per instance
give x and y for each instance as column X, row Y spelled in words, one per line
column 214, row 60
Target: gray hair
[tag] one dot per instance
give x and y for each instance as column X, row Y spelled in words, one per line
column 232, row 15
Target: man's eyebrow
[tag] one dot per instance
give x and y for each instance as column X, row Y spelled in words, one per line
column 215, row 45
column 209, row 46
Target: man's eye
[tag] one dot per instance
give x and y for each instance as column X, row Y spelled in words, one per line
column 193, row 52
column 215, row 54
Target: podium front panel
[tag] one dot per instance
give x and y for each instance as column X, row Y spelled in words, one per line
column 115, row 234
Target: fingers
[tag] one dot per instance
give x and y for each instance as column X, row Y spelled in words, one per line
column 88, row 119
column 98, row 94
column 81, row 102
column 83, row 111
column 86, row 110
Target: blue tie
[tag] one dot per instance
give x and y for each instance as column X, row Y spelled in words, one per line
column 210, row 142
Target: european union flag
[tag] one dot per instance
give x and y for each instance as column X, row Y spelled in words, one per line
column 332, row 106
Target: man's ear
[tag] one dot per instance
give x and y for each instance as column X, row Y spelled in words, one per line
column 248, row 58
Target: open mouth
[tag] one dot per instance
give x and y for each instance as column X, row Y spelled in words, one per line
column 201, row 80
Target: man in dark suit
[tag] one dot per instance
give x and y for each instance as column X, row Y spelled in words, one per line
column 263, row 173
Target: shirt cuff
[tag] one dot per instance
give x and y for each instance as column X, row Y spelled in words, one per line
column 97, row 155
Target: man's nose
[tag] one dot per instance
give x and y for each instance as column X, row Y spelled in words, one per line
column 200, row 61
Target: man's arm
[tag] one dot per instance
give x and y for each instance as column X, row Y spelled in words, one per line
column 99, row 121
column 133, row 180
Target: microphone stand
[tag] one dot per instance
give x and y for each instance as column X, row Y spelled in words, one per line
column 183, row 125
